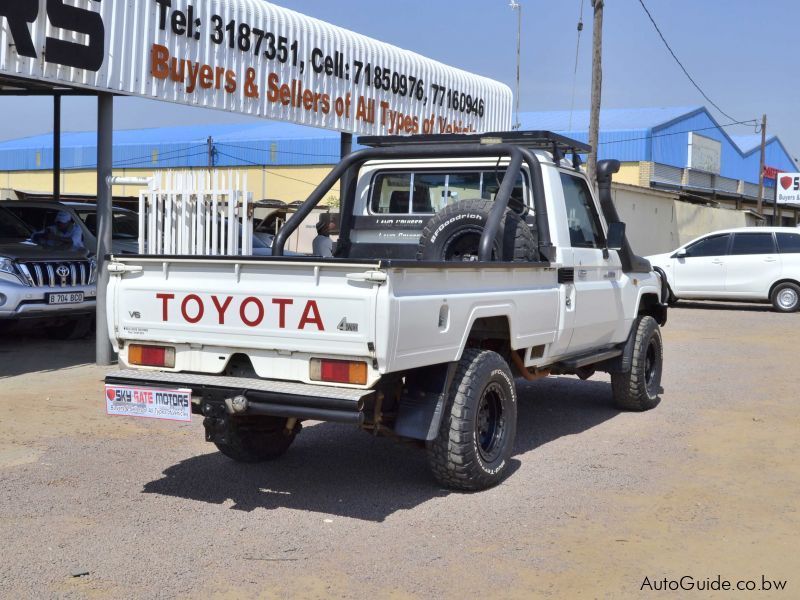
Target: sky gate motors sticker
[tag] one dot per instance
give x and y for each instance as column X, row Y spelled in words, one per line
column 150, row 403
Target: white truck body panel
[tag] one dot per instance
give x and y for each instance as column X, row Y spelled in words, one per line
column 395, row 318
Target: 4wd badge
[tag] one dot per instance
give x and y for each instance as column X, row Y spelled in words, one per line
column 345, row 326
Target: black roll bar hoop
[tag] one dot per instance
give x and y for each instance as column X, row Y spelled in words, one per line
column 517, row 154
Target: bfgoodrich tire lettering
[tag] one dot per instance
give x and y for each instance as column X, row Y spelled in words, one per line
column 786, row 297
column 476, row 437
column 639, row 389
column 454, row 234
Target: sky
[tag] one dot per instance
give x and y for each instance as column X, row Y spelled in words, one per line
column 744, row 54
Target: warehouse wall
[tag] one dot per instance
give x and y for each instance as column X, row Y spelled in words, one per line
column 287, row 183
column 628, row 173
column 658, row 221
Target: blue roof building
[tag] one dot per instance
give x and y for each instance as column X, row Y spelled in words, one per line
column 653, row 144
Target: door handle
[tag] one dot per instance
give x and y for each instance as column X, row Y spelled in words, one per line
column 717, row 262
column 770, row 260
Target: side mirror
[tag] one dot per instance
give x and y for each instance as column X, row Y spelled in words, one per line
column 616, row 236
column 681, row 253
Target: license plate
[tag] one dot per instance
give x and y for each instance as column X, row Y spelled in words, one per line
column 68, row 298
column 149, row 403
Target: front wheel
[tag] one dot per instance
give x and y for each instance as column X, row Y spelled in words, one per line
column 476, row 437
column 786, row 297
column 639, row 388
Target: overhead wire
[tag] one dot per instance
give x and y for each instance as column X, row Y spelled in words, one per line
column 649, row 137
column 575, row 70
column 269, row 150
column 683, row 68
column 124, row 162
column 255, row 164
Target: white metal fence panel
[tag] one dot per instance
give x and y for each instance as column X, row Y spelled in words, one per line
column 196, row 213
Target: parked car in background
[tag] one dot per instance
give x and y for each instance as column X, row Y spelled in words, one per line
column 749, row 264
column 124, row 226
column 40, row 214
column 55, row 286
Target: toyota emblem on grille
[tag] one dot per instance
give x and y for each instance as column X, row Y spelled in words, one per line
column 63, row 271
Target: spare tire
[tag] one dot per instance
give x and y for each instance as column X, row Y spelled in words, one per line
column 454, row 234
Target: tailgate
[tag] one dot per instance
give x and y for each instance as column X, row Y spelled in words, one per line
column 271, row 305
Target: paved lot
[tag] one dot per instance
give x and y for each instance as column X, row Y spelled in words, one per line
column 706, row 484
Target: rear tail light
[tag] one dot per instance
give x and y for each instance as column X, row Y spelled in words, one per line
column 338, row 371
column 151, row 356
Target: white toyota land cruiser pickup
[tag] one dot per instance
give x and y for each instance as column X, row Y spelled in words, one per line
column 463, row 262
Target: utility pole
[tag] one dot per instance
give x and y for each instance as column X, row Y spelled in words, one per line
column 597, row 86
column 760, row 207
column 210, row 142
column 518, row 7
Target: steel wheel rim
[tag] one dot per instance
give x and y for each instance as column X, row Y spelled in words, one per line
column 463, row 246
column 490, row 423
column 787, row 298
column 651, row 364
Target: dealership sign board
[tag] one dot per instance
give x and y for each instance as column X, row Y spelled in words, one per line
column 705, row 154
column 249, row 57
column 788, row 189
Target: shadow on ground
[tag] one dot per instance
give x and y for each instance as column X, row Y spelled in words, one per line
column 337, row 470
column 736, row 306
column 29, row 350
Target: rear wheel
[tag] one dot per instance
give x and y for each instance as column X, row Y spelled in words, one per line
column 639, row 388
column 256, row 439
column 786, row 297
column 476, row 437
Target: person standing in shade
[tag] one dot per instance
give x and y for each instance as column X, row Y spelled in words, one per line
column 323, row 244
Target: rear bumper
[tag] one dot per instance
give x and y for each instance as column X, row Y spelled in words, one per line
column 264, row 397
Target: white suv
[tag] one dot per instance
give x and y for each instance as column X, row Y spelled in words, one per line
column 750, row 263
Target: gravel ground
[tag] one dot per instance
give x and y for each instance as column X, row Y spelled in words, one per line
column 706, row 484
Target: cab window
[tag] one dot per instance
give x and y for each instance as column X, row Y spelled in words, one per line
column 428, row 192
column 715, row 245
column 584, row 223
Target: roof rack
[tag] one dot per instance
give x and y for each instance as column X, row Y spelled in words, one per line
column 559, row 145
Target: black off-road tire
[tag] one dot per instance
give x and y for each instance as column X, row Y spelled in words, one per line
column 256, row 439
column 454, row 234
column 639, row 389
column 71, row 329
column 479, row 424
column 785, row 297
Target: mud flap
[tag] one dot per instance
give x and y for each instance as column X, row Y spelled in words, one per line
column 622, row 363
column 422, row 405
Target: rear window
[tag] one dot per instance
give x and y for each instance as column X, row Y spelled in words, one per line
column 433, row 190
column 753, row 243
column 124, row 225
column 789, row 243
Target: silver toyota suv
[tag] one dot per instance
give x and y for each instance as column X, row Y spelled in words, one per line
column 51, row 284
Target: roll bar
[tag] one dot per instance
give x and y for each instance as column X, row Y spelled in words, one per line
column 351, row 163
